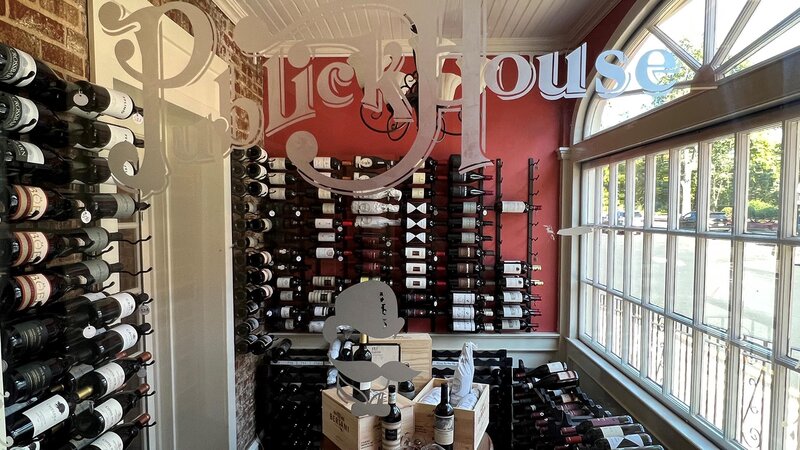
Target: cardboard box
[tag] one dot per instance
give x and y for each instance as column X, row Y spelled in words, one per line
column 470, row 425
column 416, row 350
column 351, row 432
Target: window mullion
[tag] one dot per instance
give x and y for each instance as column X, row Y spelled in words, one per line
column 736, row 29
column 709, row 32
column 645, row 350
column 626, row 321
column 788, row 188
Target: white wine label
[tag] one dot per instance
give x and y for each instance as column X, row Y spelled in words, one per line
column 513, row 268
column 390, row 438
column 288, row 324
column 614, row 431
column 418, row 193
column 323, row 223
column 262, row 157
column 411, row 223
column 320, row 296
column 564, row 375
column 286, row 312
column 324, row 194
column 443, row 430
column 415, row 252
column 320, row 311
column 26, row 115
column 277, row 178
column 35, row 289
column 463, row 312
column 38, row 203
column 99, row 238
column 512, row 311
column 463, row 298
column 463, row 325
column 98, row 269
column 111, row 412
column 416, row 283
column 114, row 375
column 325, row 253
column 27, row 152
column 128, row 334
column 422, row 208
column 120, row 105
column 512, row 297
column 511, row 324
column 469, row 222
column 468, row 238
column 287, row 296
column 416, row 268
column 555, row 367
column 323, row 281
column 316, row 326
column 361, row 176
column 277, row 163
column 469, row 207
column 488, row 327
column 21, row 68
column 126, row 206
column 275, row 193
column 126, row 302
column 515, row 282
column 365, row 385
column 33, row 247
column 363, row 163
column 321, row 162
column 329, row 208
column 284, row 283
column 94, row 296
column 109, row 441
column 266, row 224
column 630, row 440
column 326, row 236
column 411, row 237
column 512, row 207
column 47, row 414
column 117, row 135
column 418, row 178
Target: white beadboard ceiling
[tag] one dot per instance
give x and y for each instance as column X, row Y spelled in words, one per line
column 514, row 25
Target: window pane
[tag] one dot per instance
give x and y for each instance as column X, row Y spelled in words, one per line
column 794, row 315
column 616, row 326
column 637, row 220
column 587, row 310
column 786, row 41
column 619, row 259
column 602, row 256
column 753, row 405
column 655, row 358
column 687, row 189
column 602, row 318
column 718, row 282
column 758, row 293
column 684, row 276
column 589, row 195
column 767, row 15
column 712, row 380
column 662, row 191
column 637, row 252
column 587, row 242
column 685, row 26
column 763, row 180
column 620, row 200
column 606, row 193
column 681, row 362
column 725, row 18
column 658, row 269
column 635, row 336
column 792, row 411
column 720, row 193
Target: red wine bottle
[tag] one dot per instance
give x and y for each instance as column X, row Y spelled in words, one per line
column 112, row 376
column 469, row 298
column 467, row 237
column 105, row 311
column 22, row 428
column 31, row 380
column 390, row 423
column 362, row 353
column 465, row 268
column 467, row 192
column 92, row 423
column 111, row 206
column 21, row 72
column 46, row 167
column 104, row 347
column 468, row 177
column 35, row 203
column 470, row 326
column 372, row 162
column 90, row 101
column 467, row 208
column 468, row 253
column 422, row 283
column 121, row 436
column 444, row 421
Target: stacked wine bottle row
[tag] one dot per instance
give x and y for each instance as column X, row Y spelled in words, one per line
column 69, row 347
column 550, row 411
column 298, row 246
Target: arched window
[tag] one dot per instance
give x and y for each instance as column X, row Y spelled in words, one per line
column 711, row 39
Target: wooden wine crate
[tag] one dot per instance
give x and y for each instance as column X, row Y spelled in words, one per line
column 416, row 350
column 351, row 432
column 470, row 425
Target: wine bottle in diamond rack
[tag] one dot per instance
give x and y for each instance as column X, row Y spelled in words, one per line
column 444, row 421
column 390, row 423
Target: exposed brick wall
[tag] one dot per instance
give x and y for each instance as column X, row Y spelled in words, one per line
column 54, row 31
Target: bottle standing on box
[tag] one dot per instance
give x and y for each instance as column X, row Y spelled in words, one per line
column 391, row 423
column 444, row 421
column 121, row 436
column 362, row 353
column 93, row 423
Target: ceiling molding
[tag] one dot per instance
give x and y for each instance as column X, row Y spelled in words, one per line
column 233, row 9
column 589, row 22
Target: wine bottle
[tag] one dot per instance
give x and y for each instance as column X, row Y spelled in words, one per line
column 422, row 253
column 517, row 297
column 467, row 208
column 246, row 309
column 259, row 276
column 22, row 428
column 389, row 194
column 102, row 312
column 247, row 326
column 371, row 162
column 121, row 436
column 280, row 348
column 513, row 325
column 372, row 207
column 328, row 253
column 421, row 208
column 464, row 268
column 326, row 163
column 514, row 207
column 288, row 283
column 444, row 421
column 112, row 376
column 468, row 177
column 327, row 208
column 259, row 189
column 31, row 380
column 280, row 164
column 362, row 353
column 428, row 164
column 290, row 296
column 390, row 423
column 281, row 179
column 35, row 289
column 468, row 253
column 329, row 281
column 104, row 347
column 318, row 224
column 420, row 178
column 419, row 193
column 93, row 423
column 467, row 223
column 406, row 388
column 614, row 431
column 372, row 268
column 90, row 101
column 369, row 254
column 425, row 238
column 516, row 267
column 21, row 71
column 638, row 440
column 470, row 313
column 467, row 237
column 469, row 298
column 375, row 222
column 373, row 240
column 518, row 312
column 88, row 272
column 34, row 247
column 260, row 294
column 466, row 283
column 46, row 167
column 256, row 171
column 261, row 258
column 35, row 203
column 519, row 282
column 462, row 191
column 257, row 345
column 287, row 254
column 254, row 153
column 422, row 298
column 470, row 326
column 544, row 370
column 422, row 283
column 321, row 296
column 418, row 268
column 111, row 206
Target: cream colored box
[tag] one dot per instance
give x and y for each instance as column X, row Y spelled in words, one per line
column 416, row 350
column 470, row 425
column 351, row 432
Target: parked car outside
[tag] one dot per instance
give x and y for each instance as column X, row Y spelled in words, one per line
column 717, row 221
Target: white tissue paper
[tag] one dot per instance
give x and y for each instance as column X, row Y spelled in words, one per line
column 465, row 371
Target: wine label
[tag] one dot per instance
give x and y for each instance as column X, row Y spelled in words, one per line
column 463, row 298
column 324, row 194
column 513, row 268
column 416, row 283
column 22, row 115
column 126, row 206
column 126, row 302
column 469, row 208
column 93, row 296
column 363, row 163
column 288, row 324
column 325, row 252
column 463, row 312
column 513, row 324
column 321, row 162
column 515, row 282
column 513, row 207
column 128, row 334
column 555, row 367
column 260, row 172
column 422, row 208
column 468, row 238
column 488, row 327
column 111, row 412
column 109, row 441
column 323, row 223
column 283, row 283
column 326, row 236
column 277, row 163
column 114, row 375
column 99, row 238
column 120, row 105
column 365, row 385
column 391, row 436
column 47, row 414
column 320, row 311
column 286, row 312
column 613, row 431
column 116, row 135
column 418, row 193
column 287, row 296
column 411, row 237
column 329, row 208
column 35, row 289
column 316, row 326
column 98, row 269
column 20, row 68
column 323, row 281
column 278, row 178
column 26, row 152
column 322, row 296
column 33, row 247
column 469, row 222
column 268, row 291
column 38, row 203
column 418, row 178
column 443, row 430
column 512, row 297
column 266, row 224
column 512, row 311
column 416, row 268
column 37, row 376
column 415, row 252
column 422, row 223
column 274, row 193
column 463, row 325
column 629, row 440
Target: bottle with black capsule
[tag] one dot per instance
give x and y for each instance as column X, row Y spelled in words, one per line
column 466, row 252
column 23, row 427
column 254, row 153
column 462, row 191
column 465, row 268
column 371, row 162
column 468, row 177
